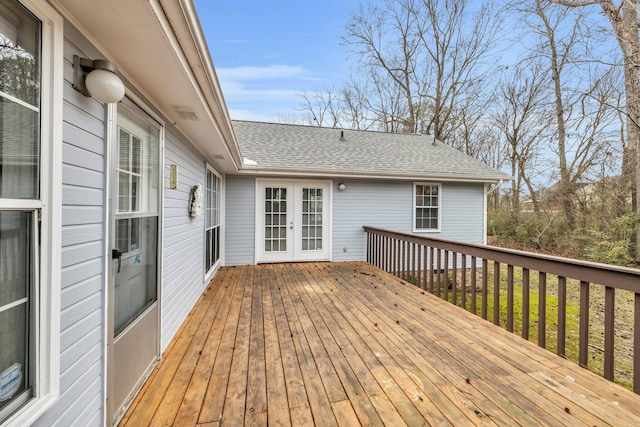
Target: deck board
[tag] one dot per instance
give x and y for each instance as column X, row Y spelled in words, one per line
column 346, row 344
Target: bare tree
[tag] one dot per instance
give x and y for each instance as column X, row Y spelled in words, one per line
column 523, row 119
column 431, row 51
column 322, row 108
column 623, row 18
column 579, row 91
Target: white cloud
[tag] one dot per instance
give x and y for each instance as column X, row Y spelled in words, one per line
column 269, row 72
column 263, row 93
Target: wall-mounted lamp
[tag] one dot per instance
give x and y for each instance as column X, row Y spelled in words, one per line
column 98, row 79
column 341, row 186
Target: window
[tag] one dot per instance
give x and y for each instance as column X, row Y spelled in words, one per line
column 426, row 208
column 212, row 220
column 29, row 194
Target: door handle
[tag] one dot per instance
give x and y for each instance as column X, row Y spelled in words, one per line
column 116, row 254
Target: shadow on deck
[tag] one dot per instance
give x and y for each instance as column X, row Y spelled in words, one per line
column 348, row 344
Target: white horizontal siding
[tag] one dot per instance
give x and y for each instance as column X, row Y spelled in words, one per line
column 183, row 238
column 82, row 255
column 389, row 204
column 240, row 220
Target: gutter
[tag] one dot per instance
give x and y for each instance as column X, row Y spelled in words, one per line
column 248, row 169
column 498, row 184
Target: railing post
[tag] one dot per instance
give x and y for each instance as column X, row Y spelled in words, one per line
column 496, row 293
column 485, row 288
column 636, row 343
column 510, row 298
column 525, row 303
column 463, row 282
column 446, row 275
column 454, row 280
column 421, row 272
column 609, row 331
column 583, row 338
column 439, row 272
column 542, row 309
column 562, row 314
column 369, row 247
column 473, row 285
column 413, row 263
column 431, row 262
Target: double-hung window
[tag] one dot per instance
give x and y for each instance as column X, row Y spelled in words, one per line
column 426, row 206
column 29, row 32
column 212, row 220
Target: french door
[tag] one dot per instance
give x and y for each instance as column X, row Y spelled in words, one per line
column 293, row 221
column 135, row 222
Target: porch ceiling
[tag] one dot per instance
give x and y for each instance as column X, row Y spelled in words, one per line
column 348, row 344
column 159, row 48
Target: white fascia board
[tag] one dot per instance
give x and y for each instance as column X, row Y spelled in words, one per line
column 366, row 175
column 185, row 26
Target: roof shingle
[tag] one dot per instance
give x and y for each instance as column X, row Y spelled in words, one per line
column 295, row 148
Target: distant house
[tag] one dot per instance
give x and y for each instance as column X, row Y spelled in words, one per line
column 588, row 193
column 115, row 216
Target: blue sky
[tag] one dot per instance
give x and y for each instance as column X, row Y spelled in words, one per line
column 267, row 52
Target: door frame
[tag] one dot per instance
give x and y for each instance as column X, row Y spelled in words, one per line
column 137, row 107
column 292, row 234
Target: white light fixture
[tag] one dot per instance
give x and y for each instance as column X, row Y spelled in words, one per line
column 98, row 79
column 341, row 187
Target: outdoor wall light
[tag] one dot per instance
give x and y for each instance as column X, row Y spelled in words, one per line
column 97, row 78
column 341, row 186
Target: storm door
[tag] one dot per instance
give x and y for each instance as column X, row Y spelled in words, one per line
column 134, row 308
column 292, row 220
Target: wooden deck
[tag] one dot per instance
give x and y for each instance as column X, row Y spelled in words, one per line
column 347, row 344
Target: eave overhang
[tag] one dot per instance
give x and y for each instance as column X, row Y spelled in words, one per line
column 160, row 51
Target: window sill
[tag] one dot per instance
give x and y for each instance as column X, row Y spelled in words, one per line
column 30, row 413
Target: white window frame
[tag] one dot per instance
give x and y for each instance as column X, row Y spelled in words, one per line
column 209, row 271
column 439, row 207
column 46, row 384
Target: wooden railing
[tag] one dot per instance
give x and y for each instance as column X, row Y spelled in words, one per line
column 472, row 276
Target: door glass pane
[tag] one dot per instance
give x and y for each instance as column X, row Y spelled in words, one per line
column 311, row 219
column 16, row 247
column 275, row 220
column 136, row 284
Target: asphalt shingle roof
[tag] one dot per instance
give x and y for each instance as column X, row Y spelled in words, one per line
column 296, row 148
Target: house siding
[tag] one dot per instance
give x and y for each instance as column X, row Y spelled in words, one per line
column 387, row 204
column 240, row 217
column 83, row 244
column 183, row 237
column 82, row 256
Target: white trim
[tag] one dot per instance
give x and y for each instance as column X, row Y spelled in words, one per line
column 223, row 222
column 110, row 139
column 484, row 215
column 21, row 204
column 323, row 174
column 19, row 101
column 208, row 273
column 294, row 250
column 439, row 207
column 47, row 372
column 144, row 113
column 13, row 304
